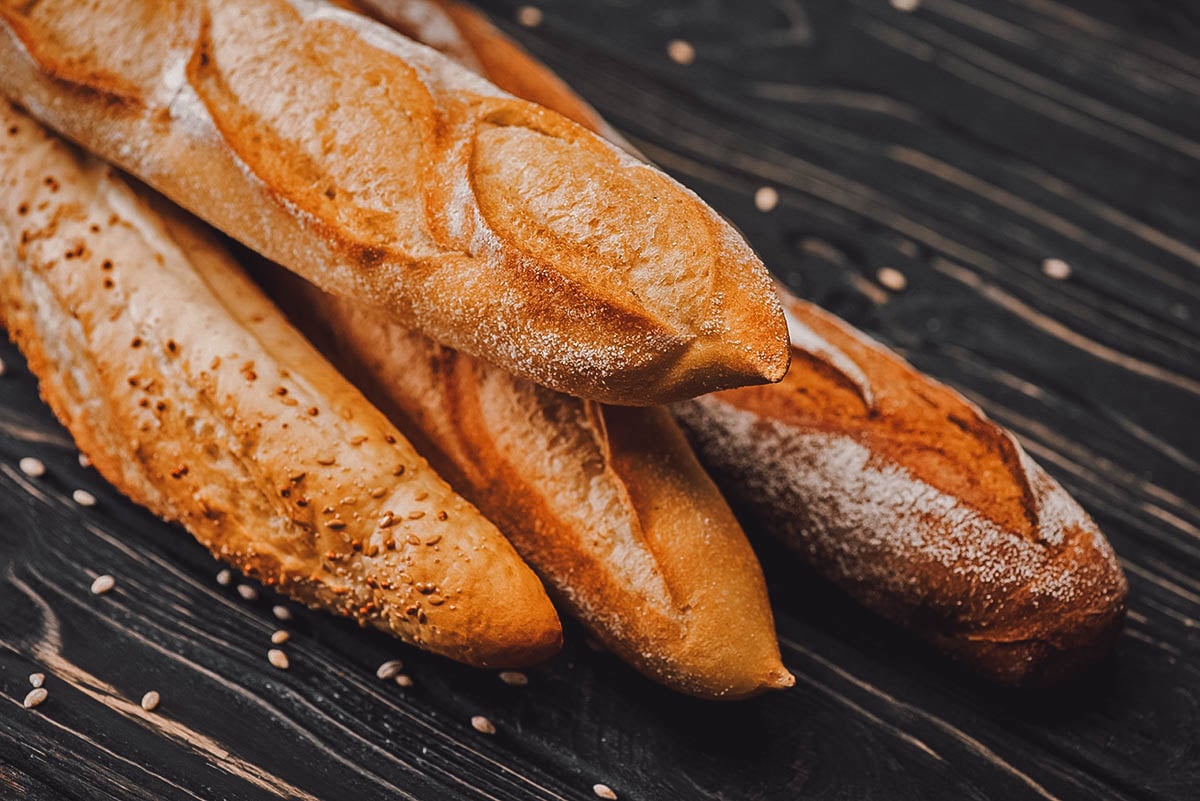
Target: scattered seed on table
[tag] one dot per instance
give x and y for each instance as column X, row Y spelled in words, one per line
column 280, row 637
column 34, row 468
column 529, row 16
column 37, row 679
column 1057, row 269
column 3, row 367
column 247, row 592
column 150, row 701
column 482, row 725
column 389, row 669
column 281, row 612
column 35, row 697
column 892, row 279
column 906, row 5
column 84, row 462
column 514, row 678
column 277, row 659
column 225, row 578
column 766, row 198
column 604, row 791
column 404, row 680
column 103, row 584
column 681, row 51
column 83, row 497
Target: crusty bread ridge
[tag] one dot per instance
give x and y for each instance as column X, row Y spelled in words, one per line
column 381, row 171
column 903, row 493
column 192, row 395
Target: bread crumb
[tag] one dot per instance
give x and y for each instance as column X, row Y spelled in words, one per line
column 482, row 725
column 1057, row 269
column 529, row 16
column 892, row 279
column 681, row 51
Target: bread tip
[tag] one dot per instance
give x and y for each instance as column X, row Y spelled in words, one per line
column 780, row 679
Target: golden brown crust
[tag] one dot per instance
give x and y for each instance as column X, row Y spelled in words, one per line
column 608, row 504
column 903, row 493
column 191, row 393
column 384, row 173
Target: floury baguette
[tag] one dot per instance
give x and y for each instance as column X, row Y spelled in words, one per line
column 189, row 391
column 384, row 173
column 608, row 504
column 889, row 483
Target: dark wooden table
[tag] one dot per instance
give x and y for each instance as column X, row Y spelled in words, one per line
column 961, row 145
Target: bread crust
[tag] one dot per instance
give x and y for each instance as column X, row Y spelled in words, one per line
column 904, row 494
column 383, row 172
column 189, row 391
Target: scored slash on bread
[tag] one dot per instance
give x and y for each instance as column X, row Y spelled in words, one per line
column 904, row 494
column 189, row 391
column 383, row 172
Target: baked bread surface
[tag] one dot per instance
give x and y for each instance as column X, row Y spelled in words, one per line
column 189, row 391
column 903, row 493
column 383, row 172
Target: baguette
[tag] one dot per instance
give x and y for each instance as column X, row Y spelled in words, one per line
column 900, row 491
column 973, row 546
column 609, row 505
column 189, row 391
column 384, row 173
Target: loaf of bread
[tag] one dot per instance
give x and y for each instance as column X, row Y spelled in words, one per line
column 189, row 391
column 609, row 505
column 383, row 172
column 904, row 494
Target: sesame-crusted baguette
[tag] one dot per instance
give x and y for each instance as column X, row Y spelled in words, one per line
column 608, row 504
column 189, row 391
column 385, row 173
column 903, row 493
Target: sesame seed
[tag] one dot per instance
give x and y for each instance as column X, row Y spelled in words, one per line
column 1057, row 269
column 277, row 658
column 604, row 791
column 892, row 279
column 482, row 725
column 150, row 701
column 37, row 679
column 906, row 5
column 35, row 697
column 389, row 669
column 280, row 637
column 225, row 577
column 103, row 584
column 83, row 497
column 681, row 51
column 281, row 612
column 404, row 680
column 766, row 198
column 529, row 16
column 34, row 468
column 247, row 592
column 84, row 461
column 3, row 367
column 514, row 678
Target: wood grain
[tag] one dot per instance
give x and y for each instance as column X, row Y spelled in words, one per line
column 962, row 144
